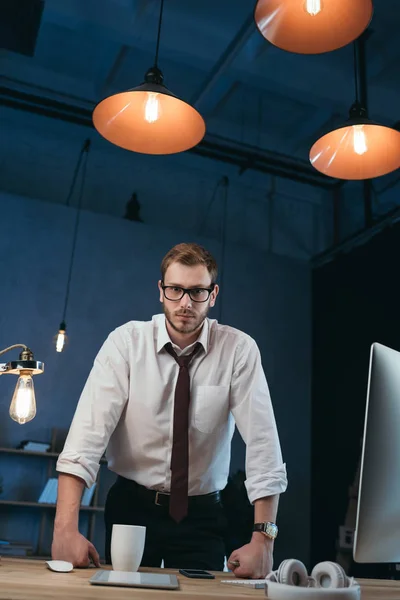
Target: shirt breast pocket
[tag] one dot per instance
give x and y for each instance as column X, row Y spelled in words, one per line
column 210, row 409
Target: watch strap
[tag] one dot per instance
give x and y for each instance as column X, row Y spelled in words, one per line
column 267, row 528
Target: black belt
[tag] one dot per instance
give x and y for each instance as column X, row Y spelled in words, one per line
column 161, row 499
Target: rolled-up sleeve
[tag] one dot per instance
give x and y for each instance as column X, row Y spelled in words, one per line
column 98, row 411
column 254, row 416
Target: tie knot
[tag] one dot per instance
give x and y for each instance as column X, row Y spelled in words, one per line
column 183, row 361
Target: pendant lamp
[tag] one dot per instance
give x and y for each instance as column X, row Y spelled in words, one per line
column 359, row 149
column 312, row 26
column 149, row 118
column 61, row 338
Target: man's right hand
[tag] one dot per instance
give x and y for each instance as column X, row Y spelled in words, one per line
column 73, row 547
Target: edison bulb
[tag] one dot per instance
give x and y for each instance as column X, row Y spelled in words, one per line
column 61, row 339
column 23, row 403
column 313, row 7
column 152, row 108
column 359, row 140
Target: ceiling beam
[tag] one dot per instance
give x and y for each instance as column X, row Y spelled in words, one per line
column 329, row 91
column 213, row 87
column 107, row 15
column 119, row 57
column 357, row 239
column 314, row 85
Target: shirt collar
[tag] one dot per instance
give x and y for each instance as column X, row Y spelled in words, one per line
column 163, row 338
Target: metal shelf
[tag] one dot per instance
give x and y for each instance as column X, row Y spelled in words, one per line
column 43, row 507
column 28, row 452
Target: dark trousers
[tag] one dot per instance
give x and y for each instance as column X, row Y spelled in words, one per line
column 197, row 542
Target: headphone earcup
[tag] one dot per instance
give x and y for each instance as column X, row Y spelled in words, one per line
column 329, row 575
column 293, row 572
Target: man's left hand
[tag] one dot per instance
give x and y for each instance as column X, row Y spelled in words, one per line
column 255, row 559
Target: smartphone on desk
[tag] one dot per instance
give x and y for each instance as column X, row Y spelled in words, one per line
column 196, row 573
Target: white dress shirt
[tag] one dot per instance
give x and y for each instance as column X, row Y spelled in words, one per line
column 127, row 407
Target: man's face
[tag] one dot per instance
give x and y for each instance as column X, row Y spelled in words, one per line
column 185, row 315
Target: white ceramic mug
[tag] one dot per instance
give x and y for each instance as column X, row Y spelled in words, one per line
column 127, row 546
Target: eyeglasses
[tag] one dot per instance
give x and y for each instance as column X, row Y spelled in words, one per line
column 174, row 293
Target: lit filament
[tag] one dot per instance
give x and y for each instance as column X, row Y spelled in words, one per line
column 60, row 341
column 152, row 108
column 23, row 404
column 313, row 7
column 359, row 140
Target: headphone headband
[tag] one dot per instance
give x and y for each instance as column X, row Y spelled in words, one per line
column 281, row 591
column 328, row 581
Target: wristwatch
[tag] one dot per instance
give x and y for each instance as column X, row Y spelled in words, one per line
column 268, row 529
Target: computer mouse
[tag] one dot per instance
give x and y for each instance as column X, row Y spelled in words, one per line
column 60, row 566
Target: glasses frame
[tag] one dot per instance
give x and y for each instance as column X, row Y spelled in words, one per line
column 188, row 292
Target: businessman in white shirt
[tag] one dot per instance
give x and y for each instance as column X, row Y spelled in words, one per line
column 162, row 399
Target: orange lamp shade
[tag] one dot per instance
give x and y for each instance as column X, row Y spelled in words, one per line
column 357, row 151
column 149, row 119
column 312, row 26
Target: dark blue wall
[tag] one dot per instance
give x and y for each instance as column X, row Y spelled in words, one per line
column 114, row 280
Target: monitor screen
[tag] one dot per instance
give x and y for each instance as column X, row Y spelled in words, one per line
column 377, row 535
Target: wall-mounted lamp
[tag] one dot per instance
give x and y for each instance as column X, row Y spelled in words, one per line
column 23, row 404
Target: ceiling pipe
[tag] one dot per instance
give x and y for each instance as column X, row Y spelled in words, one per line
column 219, row 149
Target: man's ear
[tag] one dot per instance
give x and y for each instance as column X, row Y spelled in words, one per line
column 213, row 295
column 161, row 291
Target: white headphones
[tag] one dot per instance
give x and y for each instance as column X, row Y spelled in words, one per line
column 328, row 581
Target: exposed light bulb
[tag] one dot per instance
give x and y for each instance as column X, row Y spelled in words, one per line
column 313, row 7
column 359, row 140
column 61, row 340
column 152, row 109
column 23, row 403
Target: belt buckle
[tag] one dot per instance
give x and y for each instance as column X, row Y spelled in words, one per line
column 156, row 499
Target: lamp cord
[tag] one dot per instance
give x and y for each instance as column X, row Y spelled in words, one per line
column 219, row 183
column 356, row 74
column 85, row 151
column 159, row 32
column 12, row 348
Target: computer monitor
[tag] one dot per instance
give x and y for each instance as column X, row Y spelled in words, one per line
column 377, row 534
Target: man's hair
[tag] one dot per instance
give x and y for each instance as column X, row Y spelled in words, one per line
column 190, row 255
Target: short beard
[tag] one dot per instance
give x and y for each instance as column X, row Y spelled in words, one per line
column 190, row 327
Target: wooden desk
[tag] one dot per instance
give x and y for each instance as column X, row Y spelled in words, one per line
column 24, row 579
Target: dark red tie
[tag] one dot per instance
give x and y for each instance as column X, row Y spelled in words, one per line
column 178, row 503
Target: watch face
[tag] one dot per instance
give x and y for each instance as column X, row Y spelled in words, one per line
column 271, row 530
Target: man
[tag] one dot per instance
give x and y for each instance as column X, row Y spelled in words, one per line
column 163, row 397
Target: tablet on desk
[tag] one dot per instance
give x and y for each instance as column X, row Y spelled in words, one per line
column 129, row 579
